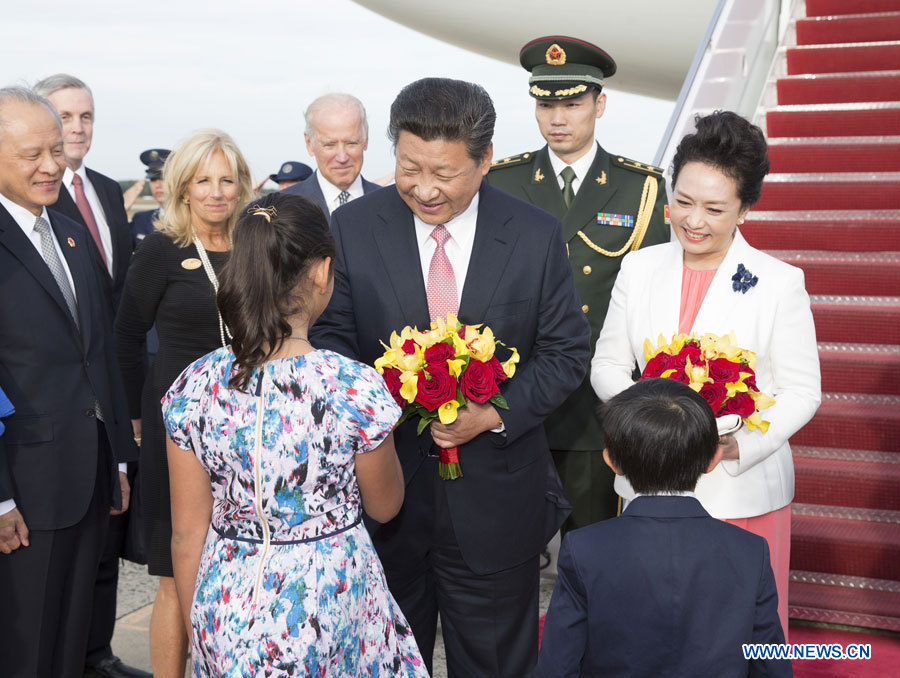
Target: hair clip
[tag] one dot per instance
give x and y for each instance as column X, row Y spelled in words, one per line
column 267, row 212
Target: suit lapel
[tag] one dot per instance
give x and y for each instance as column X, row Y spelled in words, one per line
column 12, row 237
column 66, row 206
column 491, row 249
column 542, row 187
column 592, row 196
column 666, row 307
column 395, row 237
column 717, row 309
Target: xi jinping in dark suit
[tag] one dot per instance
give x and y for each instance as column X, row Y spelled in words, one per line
column 467, row 548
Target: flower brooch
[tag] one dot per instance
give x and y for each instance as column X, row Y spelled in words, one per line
column 743, row 280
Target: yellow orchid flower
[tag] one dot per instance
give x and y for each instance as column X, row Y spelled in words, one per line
column 483, row 345
column 426, row 339
column 447, row 412
column 755, row 421
column 697, row 375
column 410, row 388
column 509, row 367
column 736, row 387
column 762, row 400
column 459, row 345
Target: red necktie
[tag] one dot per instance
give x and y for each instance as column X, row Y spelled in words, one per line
column 441, row 288
column 87, row 214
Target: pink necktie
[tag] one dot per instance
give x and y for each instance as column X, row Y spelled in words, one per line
column 441, row 288
column 87, row 214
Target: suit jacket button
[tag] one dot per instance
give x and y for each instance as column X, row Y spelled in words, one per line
column 89, row 413
column 587, row 270
column 585, row 308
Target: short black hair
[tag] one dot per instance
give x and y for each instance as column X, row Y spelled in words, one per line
column 441, row 108
column 731, row 144
column 660, row 434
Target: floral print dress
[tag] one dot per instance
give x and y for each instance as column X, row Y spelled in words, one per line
column 289, row 582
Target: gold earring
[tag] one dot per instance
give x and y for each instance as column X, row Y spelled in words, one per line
column 186, row 201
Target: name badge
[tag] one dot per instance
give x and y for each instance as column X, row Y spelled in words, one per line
column 610, row 219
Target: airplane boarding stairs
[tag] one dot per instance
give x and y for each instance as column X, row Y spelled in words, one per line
column 831, row 206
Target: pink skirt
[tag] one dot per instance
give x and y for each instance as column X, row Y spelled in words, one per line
column 775, row 527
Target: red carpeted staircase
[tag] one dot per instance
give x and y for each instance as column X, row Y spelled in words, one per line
column 832, row 207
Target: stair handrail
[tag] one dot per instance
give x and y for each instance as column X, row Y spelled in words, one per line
column 729, row 69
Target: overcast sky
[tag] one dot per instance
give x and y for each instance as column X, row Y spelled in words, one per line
column 160, row 70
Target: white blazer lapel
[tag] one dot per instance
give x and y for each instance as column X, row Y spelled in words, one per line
column 720, row 310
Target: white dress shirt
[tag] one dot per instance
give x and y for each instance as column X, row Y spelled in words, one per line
column 458, row 247
column 26, row 220
column 581, row 166
column 96, row 208
column 332, row 193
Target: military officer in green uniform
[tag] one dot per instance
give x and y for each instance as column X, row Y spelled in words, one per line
column 609, row 205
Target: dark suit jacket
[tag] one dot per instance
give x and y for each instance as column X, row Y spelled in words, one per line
column 520, row 284
column 309, row 188
column 52, row 373
column 614, row 185
column 663, row 590
column 110, row 194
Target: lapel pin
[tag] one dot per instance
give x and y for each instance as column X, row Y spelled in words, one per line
column 191, row 264
column 71, row 242
column 602, row 178
column 538, row 175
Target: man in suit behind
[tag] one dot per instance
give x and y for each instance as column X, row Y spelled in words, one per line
column 70, row 431
column 95, row 201
column 665, row 589
column 337, row 135
column 609, row 205
column 88, row 197
column 441, row 240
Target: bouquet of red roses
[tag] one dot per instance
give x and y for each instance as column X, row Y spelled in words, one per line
column 720, row 371
column 432, row 374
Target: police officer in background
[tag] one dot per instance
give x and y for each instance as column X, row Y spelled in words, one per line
column 609, row 205
column 290, row 173
column 142, row 222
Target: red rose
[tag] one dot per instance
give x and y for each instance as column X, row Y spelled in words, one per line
column 409, row 347
column 739, row 403
column 659, row 364
column 438, row 354
column 477, row 382
column 691, row 351
column 499, row 374
column 435, row 387
column 724, row 371
column 392, row 380
column 714, row 394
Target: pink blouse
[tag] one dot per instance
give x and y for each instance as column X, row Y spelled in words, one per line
column 694, row 285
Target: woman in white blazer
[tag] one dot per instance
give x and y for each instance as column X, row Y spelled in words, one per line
column 689, row 285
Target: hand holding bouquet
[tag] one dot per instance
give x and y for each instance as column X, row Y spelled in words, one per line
column 432, row 374
column 720, row 371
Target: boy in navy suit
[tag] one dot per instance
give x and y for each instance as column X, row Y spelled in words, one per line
column 664, row 589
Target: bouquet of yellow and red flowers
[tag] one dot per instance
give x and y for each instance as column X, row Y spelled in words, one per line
column 717, row 368
column 432, row 374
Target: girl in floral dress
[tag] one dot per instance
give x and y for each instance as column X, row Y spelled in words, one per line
column 273, row 447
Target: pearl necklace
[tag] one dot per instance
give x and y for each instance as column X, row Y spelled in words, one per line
column 211, row 274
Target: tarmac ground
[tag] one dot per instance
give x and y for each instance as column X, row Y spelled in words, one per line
column 131, row 640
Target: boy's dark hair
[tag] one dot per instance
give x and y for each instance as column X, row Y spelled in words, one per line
column 660, row 434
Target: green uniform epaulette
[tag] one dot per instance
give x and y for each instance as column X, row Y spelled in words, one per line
column 512, row 160
column 641, row 167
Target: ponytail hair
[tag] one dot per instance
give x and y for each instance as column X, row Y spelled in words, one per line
column 276, row 241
